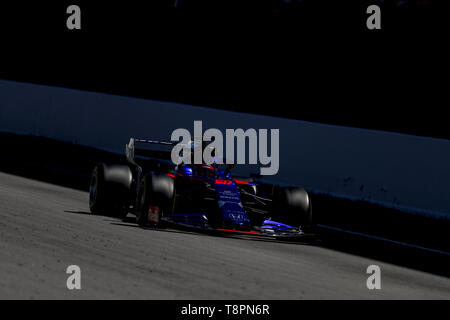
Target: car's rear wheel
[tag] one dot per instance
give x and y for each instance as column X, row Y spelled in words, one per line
column 155, row 198
column 109, row 191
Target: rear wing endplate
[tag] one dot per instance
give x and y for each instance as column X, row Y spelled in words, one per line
column 131, row 150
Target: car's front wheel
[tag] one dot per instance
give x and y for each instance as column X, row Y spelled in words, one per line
column 155, row 199
column 294, row 206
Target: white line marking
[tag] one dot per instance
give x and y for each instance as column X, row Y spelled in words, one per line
column 384, row 239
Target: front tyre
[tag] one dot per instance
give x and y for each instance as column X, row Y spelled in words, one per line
column 294, row 206
column 155, row 198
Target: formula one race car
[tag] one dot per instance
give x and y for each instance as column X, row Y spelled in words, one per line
column 199, row 196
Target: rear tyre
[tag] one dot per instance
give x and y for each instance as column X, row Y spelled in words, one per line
column 109, row 191
column 155, row 198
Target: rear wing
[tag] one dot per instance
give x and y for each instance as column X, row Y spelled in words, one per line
column 135, row 148
column 132, row 149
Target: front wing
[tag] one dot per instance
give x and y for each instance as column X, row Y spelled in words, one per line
column 269, row 228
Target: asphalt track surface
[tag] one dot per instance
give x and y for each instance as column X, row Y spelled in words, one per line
column 44, row 228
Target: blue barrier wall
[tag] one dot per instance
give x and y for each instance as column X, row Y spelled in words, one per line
column 398, row 170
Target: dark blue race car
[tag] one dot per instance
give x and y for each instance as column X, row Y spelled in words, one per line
column 202, row 197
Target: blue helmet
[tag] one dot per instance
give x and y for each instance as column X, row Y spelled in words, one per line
column 187, row 171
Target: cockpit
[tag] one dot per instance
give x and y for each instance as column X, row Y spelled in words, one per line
column 206, row 171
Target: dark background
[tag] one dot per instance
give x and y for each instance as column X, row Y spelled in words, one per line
column 313, row 60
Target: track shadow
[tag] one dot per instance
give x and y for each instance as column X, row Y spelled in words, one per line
column 409, row 257
column 391, row 253
column 69, row 165
column 78, row 212
column 124, row 220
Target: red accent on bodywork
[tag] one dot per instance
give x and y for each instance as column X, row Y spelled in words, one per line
column 241, row 181
column 218, row 181
column 238, row 231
